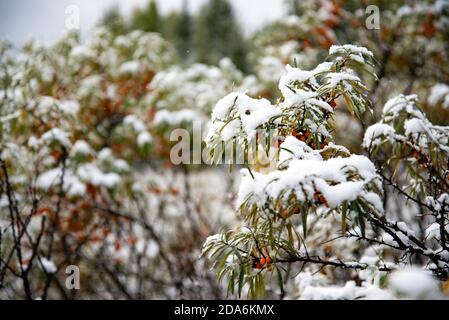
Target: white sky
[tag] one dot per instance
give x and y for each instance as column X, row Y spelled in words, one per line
column 44, row 20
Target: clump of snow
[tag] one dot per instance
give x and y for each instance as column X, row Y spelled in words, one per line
column 120, row 165
column 375, row 131
column 57, row 135
column 303, row 178
column 375, row 200
column 88, row 85
column 334, row 78
column 349, row 48
column 297, row 75
column 148, row 248
column 81, row 52
column 433, row 231
column 81, row 147
column 292, row 148
column 91, row 173
column 347, row 292
column 45, row 104
column 298, row 96
column 69, row 106
column 144, row 138
column 414, row 284
column 129, row 67
column 51, row 178
column 439, row 93
column 241, row 113
column 48, row 266
column 317, row 287
column 136, row 123
column 413, row 126
column 34, row 142
column 105, row 154
column 395, row 105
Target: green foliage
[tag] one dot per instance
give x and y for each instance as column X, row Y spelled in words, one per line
column 178, row 28
column 147, row 19
column 418, row 147
column 212, row 34
column 114, row 21
column 269, row 202
column 217, row 34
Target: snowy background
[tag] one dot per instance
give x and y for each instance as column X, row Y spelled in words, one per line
column 350, row 200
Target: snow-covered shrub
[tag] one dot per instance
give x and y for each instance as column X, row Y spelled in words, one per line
column 181, row 95
column 76, row 130
column 411, row 47
column 317, row 205
column 84, row 126
column 313, row 177
column 416, row 166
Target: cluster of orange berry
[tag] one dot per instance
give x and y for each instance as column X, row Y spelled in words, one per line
column 421, row 158
column 262, row 263
column 304, row 136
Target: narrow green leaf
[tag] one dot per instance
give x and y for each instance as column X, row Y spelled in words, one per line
column 241, row 280
column 304, row 220
column 349, row 103
column 316, row 141
column 355, row 206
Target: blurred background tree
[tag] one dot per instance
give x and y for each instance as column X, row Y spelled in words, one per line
column 217, row 34
column 207, row 37
column 178, row 28
column 113, row 19
column 147, row 18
